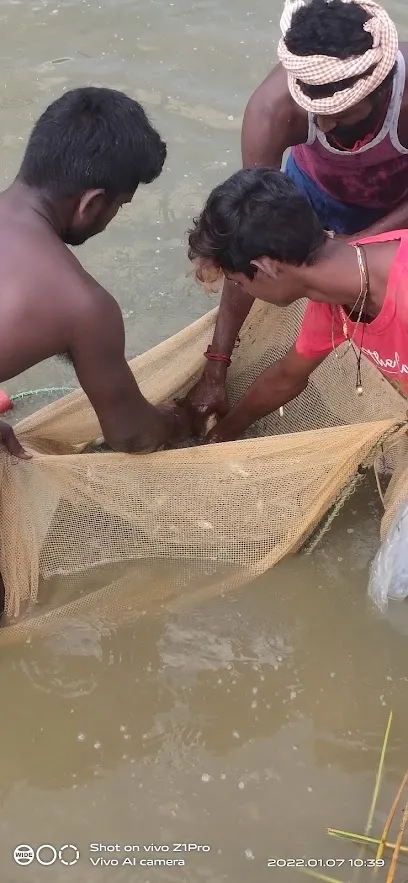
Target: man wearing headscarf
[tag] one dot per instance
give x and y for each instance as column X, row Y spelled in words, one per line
column 338, row 100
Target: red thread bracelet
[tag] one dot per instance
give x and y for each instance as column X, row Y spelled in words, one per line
column 216, row 357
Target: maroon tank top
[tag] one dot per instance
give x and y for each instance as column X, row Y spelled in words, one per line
column 376, row 175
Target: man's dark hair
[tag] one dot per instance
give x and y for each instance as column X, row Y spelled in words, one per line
column 256, row 212
column 336, row 29
column 91, row 138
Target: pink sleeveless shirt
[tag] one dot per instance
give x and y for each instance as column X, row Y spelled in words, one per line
column 384, row 341
column 373, row 177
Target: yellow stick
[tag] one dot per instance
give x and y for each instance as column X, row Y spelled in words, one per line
column 388, row 823
column 378, row 777
column 362, row 838
column 376, row 791
column 393, row 865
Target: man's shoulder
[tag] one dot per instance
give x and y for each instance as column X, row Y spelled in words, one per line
column 273, row 99
column 94, row 308
column 46, row 276
column 275, row 94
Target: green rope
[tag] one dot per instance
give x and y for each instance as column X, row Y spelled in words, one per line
column 350, row 488
column 338, row 504
column 36, row 392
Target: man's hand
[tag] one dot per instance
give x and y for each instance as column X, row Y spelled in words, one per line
column 10, row 442
column 166, row 426
column 177, row 423
column 279, row 384
column 207, row 399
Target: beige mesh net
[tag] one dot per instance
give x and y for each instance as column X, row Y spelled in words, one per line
column 108, row 533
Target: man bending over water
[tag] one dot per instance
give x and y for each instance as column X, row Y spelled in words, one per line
column 339, row 101
column 260, row 232
column 86, row 157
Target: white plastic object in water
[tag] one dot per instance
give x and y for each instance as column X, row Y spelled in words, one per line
column 389, row 570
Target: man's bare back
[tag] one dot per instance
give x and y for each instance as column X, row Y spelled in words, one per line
column 86, row 156
column 44, row 288
column 76, row 174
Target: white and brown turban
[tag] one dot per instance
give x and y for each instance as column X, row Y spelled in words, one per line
column 319, row 70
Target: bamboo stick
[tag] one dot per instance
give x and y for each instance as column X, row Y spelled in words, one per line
column 393, row 865
column 375, row 792
column 378, row 778
column 362, row 838
column 391, row 815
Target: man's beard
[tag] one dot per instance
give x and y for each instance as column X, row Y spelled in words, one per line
column 350, row 135
column 76, row 237
column 358, row 131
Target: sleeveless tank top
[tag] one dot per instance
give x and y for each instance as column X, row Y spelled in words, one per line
column 376, row 175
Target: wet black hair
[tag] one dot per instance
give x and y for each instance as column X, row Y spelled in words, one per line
column 336, row 29
column 92, row 138
column 254, row 213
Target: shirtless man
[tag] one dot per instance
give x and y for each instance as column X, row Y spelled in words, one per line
column 86, row 157
column 339, row 101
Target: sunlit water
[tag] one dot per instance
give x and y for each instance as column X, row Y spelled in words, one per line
column 249, row 723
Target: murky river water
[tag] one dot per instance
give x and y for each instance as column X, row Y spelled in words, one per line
column 249, row 723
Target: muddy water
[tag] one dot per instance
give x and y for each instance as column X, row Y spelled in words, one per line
column 248, row 724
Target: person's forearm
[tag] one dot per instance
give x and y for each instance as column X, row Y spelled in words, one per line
column 396, row 220
column 262, row 144
column 268, row 393
column 234, row 308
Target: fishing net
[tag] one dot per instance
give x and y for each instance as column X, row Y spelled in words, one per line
column 104, row 533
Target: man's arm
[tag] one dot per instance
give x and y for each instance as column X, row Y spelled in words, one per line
column 276, row 386
column 268, row 129
column 272, row 123
column 396, row 220
column 128, row 421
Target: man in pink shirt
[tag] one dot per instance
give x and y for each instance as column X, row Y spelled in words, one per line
column 260, row 232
